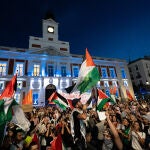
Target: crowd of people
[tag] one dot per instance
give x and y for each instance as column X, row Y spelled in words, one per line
column 126, row 127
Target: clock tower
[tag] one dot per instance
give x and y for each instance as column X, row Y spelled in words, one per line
column 49, row 38
column 50, row 30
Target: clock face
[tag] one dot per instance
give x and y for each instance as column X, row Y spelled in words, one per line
column 50, row 29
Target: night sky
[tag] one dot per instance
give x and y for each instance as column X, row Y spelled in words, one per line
column 108, row 28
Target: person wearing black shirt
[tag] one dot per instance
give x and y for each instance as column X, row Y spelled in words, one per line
column 78, row 128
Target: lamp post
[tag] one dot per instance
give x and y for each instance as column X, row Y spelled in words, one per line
column 147, row 83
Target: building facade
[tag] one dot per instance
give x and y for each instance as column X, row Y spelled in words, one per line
column 139, row 70
column 48, row 64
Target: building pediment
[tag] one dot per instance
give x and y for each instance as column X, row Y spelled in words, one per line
column 51, row 51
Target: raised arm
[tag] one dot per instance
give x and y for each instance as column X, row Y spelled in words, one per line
column 117, row 139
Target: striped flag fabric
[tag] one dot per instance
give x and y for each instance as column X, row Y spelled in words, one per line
column 103, row 100
column 129, row 96
column 10, row 88
column 88, row 75
column 113, row 91
column 59, row 100
column 28, row 99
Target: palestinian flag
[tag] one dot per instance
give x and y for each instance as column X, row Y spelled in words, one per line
column 5, row 102
column 103, row 100
column 58, row 100
column 6, row 111
column 10, row 110
column 113, row 91
column 129, row 96
column 28, row 99
column 70, row 103
column 57, row 143
column 10, row 88
column 27, row 102
column 88, row 75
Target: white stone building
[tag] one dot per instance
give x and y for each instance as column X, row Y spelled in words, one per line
column 140, row 71
column 48, row 62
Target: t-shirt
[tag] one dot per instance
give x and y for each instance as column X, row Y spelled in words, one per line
column 77, row 132
column 67, row 138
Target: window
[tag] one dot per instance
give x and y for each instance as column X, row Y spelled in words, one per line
column 138, row 75
column 106, row 84
column 114, row 83
column 104, row 73
column 107, row 92
column 148, row 73
column 50, row 70
column 75, row 71
column 123, row 73
column 140, row 82
column 36, row 70
column 98, row 84
column 17, row 97
column 125, row 83
column 132, row 77
column 63, row 71
column 117, row 93
column 130, row 70
column 3, row 68
column 19, row 84
column 136, row 67
column 35, row 98
column 19, row 69
column 112, row 73
column 1, row 85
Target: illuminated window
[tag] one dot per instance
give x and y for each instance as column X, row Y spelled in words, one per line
column 106, row 84
column 1, row 85
column 123, row 73
column 75, row 71
column 35, row 98
column 63, row 71
column 104, row 73
column 3, row 68
column 17, row 97
column 117, row 93
column 114, row 83
column 107, row 92
column 125, row 83
column 19, row 84
column 112, row 73
column 19, row 69
column 50, row 70
column 36, row 70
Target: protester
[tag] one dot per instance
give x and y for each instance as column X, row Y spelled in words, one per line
column 117, row 140
column 78, row 128
column 118, row 131
column 18, row 142
column 8, row 139
column 137, row 136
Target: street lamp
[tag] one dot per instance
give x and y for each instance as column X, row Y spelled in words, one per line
column 147, row 83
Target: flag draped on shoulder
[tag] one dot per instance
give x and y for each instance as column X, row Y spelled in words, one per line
column 58, row 100
column 19, row 118
column 103, row 100
column 88, row 75
column 10, row 88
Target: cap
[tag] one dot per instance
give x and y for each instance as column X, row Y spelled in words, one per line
column 75, row 101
